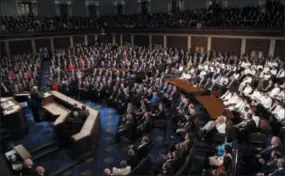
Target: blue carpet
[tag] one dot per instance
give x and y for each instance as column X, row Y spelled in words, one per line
column 44, row 73
column 39, row 134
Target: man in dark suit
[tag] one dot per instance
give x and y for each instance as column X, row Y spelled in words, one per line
column 83, row 113
column 72, row 126
column 246, row 127
column 230, row 130
column 142, row 149
column 269, row 87
column 75, row 108
column 126, row 128
column 145, row 124
column 279, row 171
column 132, row 158
column 28, row 168
column 35, row 103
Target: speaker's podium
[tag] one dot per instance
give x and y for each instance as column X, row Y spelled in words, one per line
column 58, row 107
column 13, row 117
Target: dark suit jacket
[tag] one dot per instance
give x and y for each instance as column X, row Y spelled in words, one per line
column 268, row 88
column 83, row 114
column 133, row 161
column 127, row 127
column 146, row 124
column 28, row 171
column 72, row 126
column 142, row 150
column 35, row 100
column 250, row 127
column 230, row 131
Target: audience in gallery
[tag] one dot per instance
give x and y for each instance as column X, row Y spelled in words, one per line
column 132, row 81
column 250, row 16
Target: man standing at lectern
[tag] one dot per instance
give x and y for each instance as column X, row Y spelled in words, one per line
column 35, row 103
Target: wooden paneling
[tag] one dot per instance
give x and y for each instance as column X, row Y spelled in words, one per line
column 126, row 39
column 199, row 42
column 141, row 40
column 91, row 39
column 61, row 43
column 2, row 49
column 42, row 43
column 78, row 39
column 105, row 38
column 21, row 46
column 177, row 42
column 226, row 45
column 279, row 49
column 118, row 39
column 257, row 45
column 157, row 40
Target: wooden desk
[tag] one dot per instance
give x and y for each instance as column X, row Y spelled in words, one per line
column 15, row 119
column 61, row 113
column 212, row 104
column 88, row 138
column 185, row 85
column 21, row 150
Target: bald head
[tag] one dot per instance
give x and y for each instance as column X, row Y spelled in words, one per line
column 275, row 141
column 28, row 163
column 107, row 172
column 35, row 88
column 40, row 170
column 75, row 114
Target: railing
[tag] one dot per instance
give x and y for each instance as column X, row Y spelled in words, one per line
column 209, row 30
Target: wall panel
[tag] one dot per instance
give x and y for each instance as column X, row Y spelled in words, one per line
column 105, row 38
column 42, row 43
column 21, row 46
column 61, row 43
column 226, row 45
column 90, row 39
column 157, row 40
column 141, row 40
column 46, row 7
column 159, row 6
column 118, row 39
column 258, row 45
column 79, row 8
column 194, row 4
column 126, row 39
column 177, row 42
column 199, row 42
column 2, row 49
column 78, row 39
column 8, row 7
column 279, row 49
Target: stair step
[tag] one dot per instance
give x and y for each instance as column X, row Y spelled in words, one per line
column 42, row 147
column 71, row 165
column 45, row 152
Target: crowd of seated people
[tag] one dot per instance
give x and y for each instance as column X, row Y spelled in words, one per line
column 217, row 17
column 251, row 87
